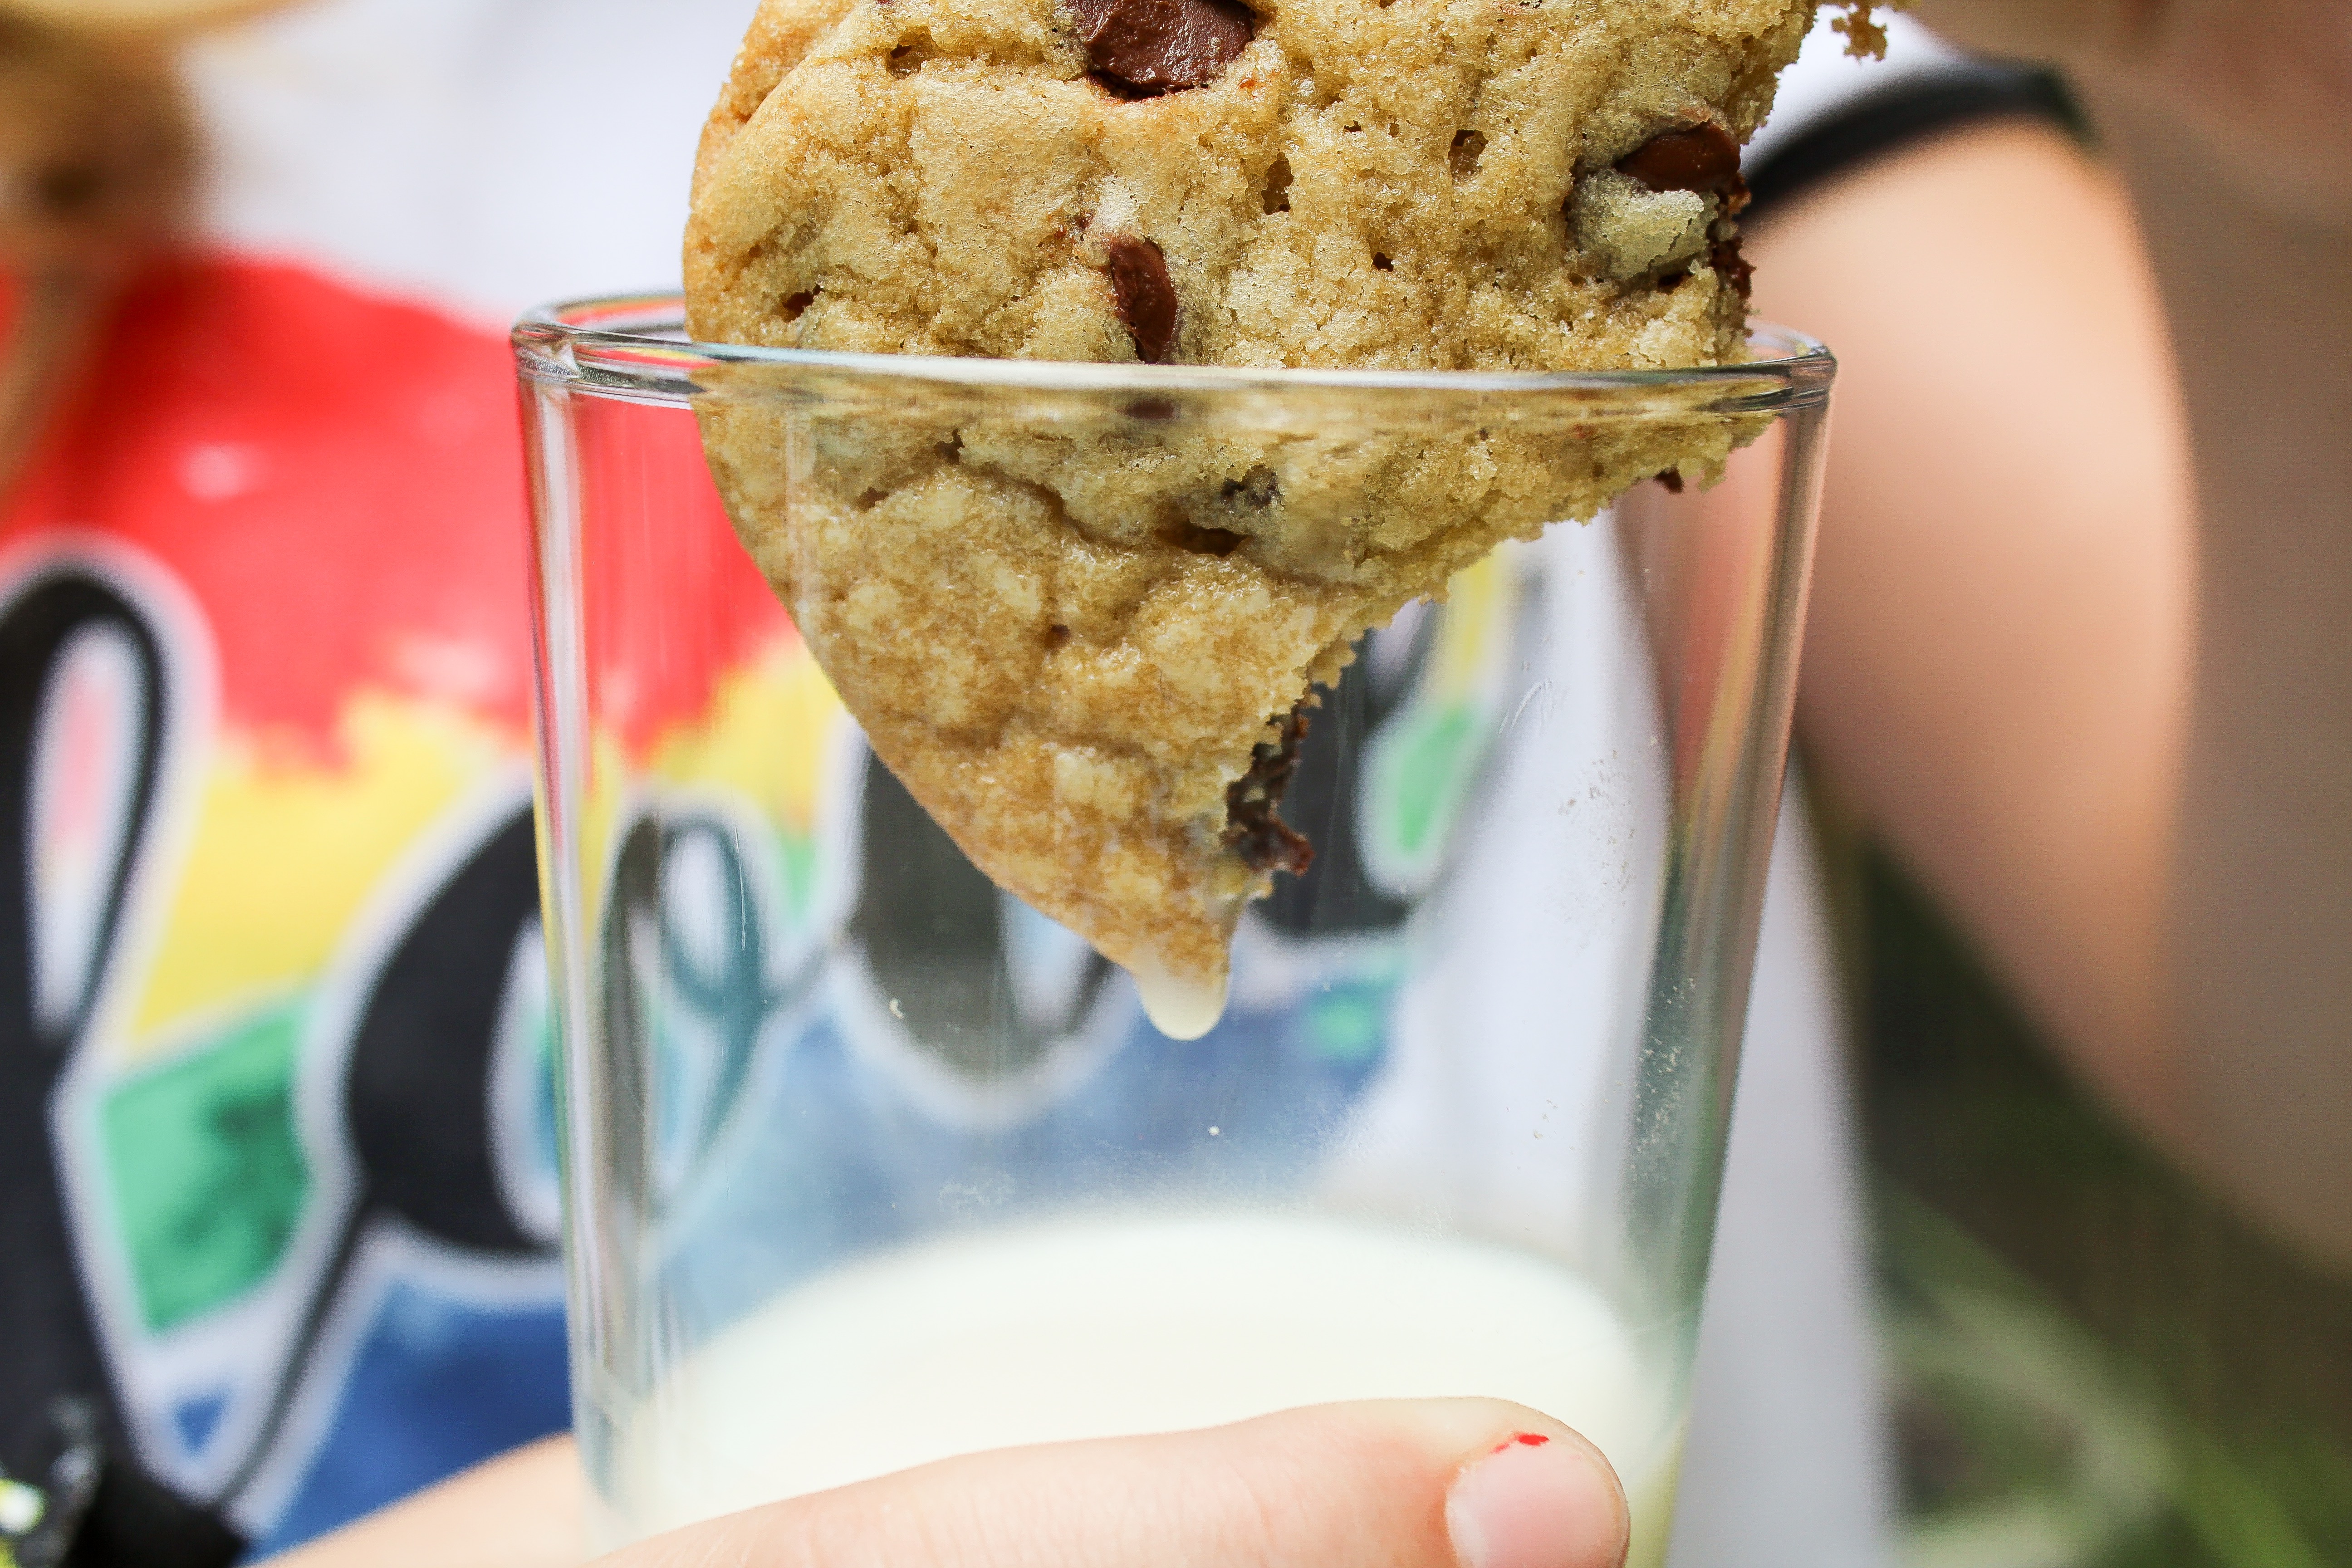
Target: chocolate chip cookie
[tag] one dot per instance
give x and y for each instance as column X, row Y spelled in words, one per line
column 1087, row 648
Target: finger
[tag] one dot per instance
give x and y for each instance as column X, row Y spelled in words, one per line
column 1463, row 1483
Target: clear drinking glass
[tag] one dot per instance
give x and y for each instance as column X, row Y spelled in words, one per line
column 867, row 1163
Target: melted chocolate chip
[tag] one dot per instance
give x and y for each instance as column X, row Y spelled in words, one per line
column 1671, row 479
column 1262, row 840
column 1733, row 267
column 1701, row 157
column 1147, row 46
column 1147, row 299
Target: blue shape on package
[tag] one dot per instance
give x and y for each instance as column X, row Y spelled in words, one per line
column 437, row 1386
column 197, row 1419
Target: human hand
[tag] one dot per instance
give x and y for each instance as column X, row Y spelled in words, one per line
column 1462, row 1483
column 1455, row 1483
column 2266, row 84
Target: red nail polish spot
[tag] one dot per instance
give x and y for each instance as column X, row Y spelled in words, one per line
column 1531, row 1440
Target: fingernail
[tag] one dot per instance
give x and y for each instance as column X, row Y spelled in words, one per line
column 1535, row 1502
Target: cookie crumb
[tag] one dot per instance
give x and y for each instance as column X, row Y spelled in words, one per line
column 1865, row 34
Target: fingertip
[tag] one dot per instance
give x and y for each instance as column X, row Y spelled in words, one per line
column 1539, row 1499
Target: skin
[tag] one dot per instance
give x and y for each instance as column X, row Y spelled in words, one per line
column 1440, row 1483
column 2030, row 777
column 2261, row 916
column 2135, row 795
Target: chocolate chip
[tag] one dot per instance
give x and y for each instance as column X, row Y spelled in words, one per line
column 1147, row 299
column 1671, row 479
column 1147, row 46
column 796, row 303
column 1731, row 266
column 1702, row 158
column 1262, row 840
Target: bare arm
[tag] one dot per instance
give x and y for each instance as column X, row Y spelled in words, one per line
column 2260, row 956
column 2156, row 848
column 1997, row 665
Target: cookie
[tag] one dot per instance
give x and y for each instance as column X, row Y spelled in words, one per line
column 1085, row 643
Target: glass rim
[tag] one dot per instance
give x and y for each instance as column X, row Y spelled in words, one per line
column 634, row 345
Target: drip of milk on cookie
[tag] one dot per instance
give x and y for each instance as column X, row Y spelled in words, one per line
column 1179, row 1008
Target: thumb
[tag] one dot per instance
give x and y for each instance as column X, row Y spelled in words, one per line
column 1452, row 1483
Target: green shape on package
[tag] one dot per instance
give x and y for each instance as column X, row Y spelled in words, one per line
column 206, row 1171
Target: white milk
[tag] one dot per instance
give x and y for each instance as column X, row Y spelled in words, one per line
column 1179, row 1008
column 1127, row 1323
